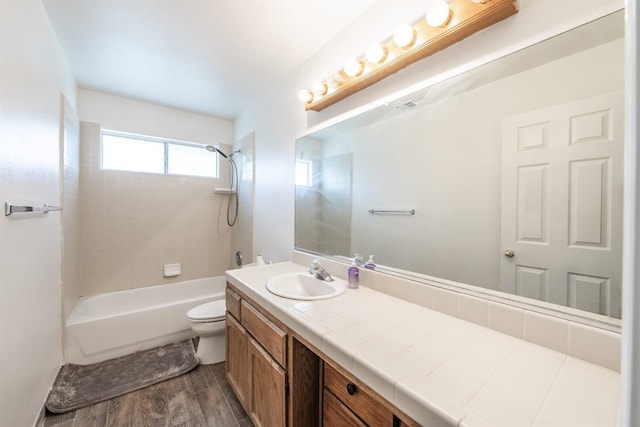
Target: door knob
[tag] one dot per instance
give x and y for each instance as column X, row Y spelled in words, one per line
column 509, row 253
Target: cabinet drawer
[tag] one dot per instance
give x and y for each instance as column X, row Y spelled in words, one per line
column 271, row 337
column 233, row 303
column 364, row 405
column 335, row 414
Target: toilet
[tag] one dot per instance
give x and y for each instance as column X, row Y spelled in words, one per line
column 207, row 321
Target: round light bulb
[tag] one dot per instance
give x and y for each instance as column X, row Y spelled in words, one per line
column 352, row 67
column 318, row 88
column 404, row 36
column 305, row 96
column 438, row 13
column 375, row 53
column 336, row 79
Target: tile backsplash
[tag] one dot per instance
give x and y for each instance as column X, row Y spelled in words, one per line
column 589, row 343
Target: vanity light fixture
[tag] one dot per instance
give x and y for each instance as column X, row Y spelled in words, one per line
column 438, row 13
column 318, row 88
column 353, row 67
column 376, row 53
column 305, row 96
column 404, row 36
column 446, row 22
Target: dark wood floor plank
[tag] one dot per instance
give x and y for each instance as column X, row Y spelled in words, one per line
column 245, row 422
column 181, row 401
column 142, row 408
column 92, row 416
column 201, row 378
column 184, row 407
column 52, row 419
column 219, row 373
column 215, row 408
column 153, row 406
column 67, row 423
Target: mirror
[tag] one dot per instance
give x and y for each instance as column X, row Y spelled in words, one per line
column 505, row 179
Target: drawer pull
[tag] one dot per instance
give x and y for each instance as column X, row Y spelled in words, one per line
column 351, row 389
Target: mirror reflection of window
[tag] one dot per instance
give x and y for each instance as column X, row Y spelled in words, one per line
column 304, row 171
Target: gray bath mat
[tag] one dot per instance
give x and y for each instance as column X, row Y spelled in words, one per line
column 77, row 386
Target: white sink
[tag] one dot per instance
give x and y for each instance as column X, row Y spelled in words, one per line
column 303, row 286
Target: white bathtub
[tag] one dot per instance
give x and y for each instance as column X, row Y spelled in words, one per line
column 113, row 324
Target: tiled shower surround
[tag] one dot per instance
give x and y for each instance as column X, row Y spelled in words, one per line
column 131, row 224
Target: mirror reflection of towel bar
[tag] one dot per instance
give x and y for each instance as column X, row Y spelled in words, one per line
column 392, row 212
column 11, row 209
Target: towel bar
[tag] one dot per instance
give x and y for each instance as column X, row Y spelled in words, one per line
column 393, row 212
column 11, row 209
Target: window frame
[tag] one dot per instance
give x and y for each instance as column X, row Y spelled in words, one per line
column 166, row 142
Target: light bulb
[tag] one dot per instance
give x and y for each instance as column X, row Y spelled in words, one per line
column 318, row 88
column 336, row 79
column 305, row 96
column 352, row 67
column 404, row 36
column 375, row 53
column 438, row 13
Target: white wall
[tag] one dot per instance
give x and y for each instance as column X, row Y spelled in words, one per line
column 144, row 118
column 33, row 74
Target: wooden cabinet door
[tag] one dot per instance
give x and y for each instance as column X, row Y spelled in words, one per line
column 336, row 414
column 268, row 388
column 237, row 360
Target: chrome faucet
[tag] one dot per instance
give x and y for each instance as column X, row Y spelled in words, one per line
column 318, row 271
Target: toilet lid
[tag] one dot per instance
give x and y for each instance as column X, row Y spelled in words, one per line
column 214, row 310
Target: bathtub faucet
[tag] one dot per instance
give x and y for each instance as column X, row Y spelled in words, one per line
column 319, row 271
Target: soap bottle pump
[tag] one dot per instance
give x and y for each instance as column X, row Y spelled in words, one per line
column 353, row 275
column 370, row 265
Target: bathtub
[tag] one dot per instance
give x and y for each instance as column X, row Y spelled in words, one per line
column 113, row 324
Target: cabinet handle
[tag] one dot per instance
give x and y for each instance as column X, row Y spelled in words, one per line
column 351, row 389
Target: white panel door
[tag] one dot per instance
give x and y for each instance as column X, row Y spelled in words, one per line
column 562, row 204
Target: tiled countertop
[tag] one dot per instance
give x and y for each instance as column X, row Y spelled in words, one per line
column 441, row 370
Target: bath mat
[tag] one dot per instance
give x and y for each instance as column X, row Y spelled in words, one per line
column 77, row 386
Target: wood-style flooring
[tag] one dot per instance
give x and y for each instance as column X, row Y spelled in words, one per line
column 200, row 398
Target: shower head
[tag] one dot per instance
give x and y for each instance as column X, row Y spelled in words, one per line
column 216, row 150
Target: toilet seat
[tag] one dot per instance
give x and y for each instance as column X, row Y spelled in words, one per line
column 213, row 311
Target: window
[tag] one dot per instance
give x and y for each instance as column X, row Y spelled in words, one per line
column 136, row 153
column 303, row 173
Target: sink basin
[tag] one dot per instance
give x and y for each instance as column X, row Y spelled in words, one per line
column 303, row 286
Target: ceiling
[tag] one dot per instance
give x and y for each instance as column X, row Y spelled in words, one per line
column 209, row 56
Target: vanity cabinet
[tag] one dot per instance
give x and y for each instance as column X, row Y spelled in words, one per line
column 237, row 359
column 256, row 361
column 282, row 380
column 344, row 398
column 268, row 388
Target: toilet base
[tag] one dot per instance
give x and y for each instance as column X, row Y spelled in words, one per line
column 211, row 349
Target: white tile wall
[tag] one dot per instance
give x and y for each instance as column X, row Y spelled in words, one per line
column 594, row 345
column 507, row 319
column 131, row 224
column 546, row 330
